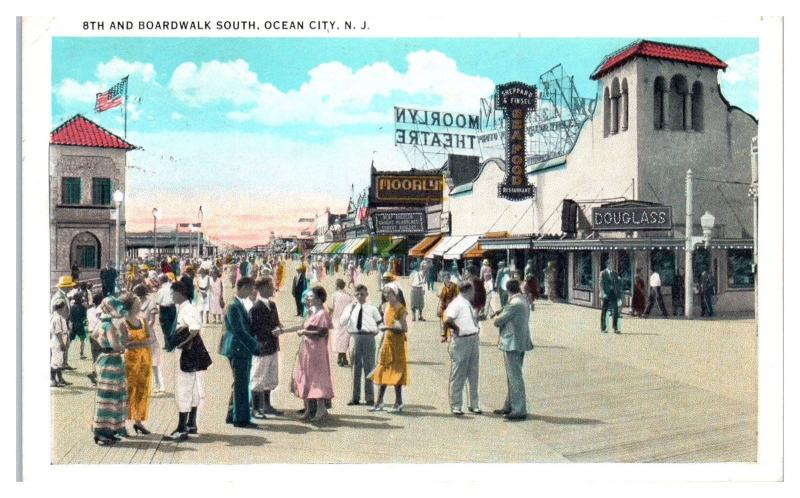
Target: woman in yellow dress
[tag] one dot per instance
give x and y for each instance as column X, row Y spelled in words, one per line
column 279, row 271
column 392, row 368
column 138, row 361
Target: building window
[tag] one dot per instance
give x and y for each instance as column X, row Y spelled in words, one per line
column 679, row 104
column 101, row 191
column 85, row 251
column 697, row 106
column 659, row 103
column 624, row 105
column 584, row 277
column 740, row 269
column 70, row 190
column 615, row 111
column 606, row 113
column 663, row 261
column 87, row 257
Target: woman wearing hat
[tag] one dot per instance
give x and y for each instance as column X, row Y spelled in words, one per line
column 111, row 400
column 138, row 359
column 392, row 368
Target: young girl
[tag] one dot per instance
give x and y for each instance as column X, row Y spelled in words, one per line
column 59, row 335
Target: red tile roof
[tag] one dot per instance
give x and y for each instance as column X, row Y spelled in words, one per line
column 658, row 50
column 80, row 131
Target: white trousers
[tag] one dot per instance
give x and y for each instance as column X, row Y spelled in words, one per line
column 264, row 373
column 189, row 389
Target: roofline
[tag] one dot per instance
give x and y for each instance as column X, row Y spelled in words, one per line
column 73, row 118
column 596, row 73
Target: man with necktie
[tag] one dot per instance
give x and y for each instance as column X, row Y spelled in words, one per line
column 610, row 294
column 361, row 320
column 239, row 346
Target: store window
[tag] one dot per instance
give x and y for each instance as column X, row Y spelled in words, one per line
column 740, row 269
column 70, row 190
column 584, row 277
column 625, row 270
column 663, row 261
column 101, row 191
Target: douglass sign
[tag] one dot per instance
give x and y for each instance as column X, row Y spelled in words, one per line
column 632, row 218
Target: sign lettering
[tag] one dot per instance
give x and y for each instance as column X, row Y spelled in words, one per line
column 632, row 218
column 400, row 222
column 516, row 100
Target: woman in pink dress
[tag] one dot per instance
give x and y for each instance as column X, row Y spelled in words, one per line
column 341, row 338
column 312, row 374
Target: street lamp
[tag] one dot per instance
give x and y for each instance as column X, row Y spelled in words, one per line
column 707, row 224
column 199, row 227
column 156, row 216
column 118, row 197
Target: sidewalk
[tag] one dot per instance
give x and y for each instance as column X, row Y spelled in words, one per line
column 665, row 390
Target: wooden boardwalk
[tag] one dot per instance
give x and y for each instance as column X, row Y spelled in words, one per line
column 592, row 398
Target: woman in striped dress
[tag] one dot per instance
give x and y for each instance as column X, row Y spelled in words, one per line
column 111, row 401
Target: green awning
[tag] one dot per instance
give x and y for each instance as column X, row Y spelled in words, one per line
column 335, row 248
column 386, row 246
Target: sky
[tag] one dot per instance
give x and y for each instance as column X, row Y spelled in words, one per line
column 261, row 132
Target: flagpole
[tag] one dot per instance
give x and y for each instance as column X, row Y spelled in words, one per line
column 125, row 108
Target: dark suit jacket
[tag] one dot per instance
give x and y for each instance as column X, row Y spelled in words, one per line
column 299, row 286
column 263, row 320
column 238, row 341
column 609, row 283
column 189, row 283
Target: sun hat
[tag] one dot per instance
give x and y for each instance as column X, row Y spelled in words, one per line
column 65, row 282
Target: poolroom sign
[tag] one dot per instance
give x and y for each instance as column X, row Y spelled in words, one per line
column 631, row 218
column 516, row 100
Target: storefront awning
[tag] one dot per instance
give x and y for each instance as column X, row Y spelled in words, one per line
column 334, row 248
column 504, row 243
column 476, row 252
column 443, row 246
column 641, row 244
column 320, row 248
column 385, row 246
column 424, row 245
column 463, row 245
column 353, row 246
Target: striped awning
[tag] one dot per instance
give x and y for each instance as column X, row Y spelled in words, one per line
column 634, row 244
column 424, row 246
column 444, row 246
column 321, row 248
column 335, row 248
column 354, row 245
column 463, row 245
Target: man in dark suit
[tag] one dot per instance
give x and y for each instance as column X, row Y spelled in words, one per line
column 298, row 288
column 187, row 277
column 610, row 293
column 266, row 327
column 239, row 346
column 108, row 279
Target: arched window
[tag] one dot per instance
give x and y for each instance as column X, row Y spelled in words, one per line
column 697, row 106
column 85, row 251
column 606, row 113
column 624, row 105
column 679, row 104
column 615, row 94
column 659, row 103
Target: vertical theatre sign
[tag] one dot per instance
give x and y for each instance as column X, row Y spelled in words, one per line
column 516, row 100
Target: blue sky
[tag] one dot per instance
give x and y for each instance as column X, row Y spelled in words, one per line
column 272, row 118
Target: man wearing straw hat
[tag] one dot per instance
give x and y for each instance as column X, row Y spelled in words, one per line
column 63, row 292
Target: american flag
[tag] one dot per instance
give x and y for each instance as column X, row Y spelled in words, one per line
column 113, row 97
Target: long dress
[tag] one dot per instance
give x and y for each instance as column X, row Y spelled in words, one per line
column 312, row 374
column 279, row 276
column 341, row 338
column 216, row 294
column 638, row 303
column 111, row 400
column 138, row 366
column 392, row 368
column 203, row 288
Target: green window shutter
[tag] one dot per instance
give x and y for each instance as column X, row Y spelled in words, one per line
column 71, row 190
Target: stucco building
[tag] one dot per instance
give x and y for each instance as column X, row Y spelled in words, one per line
column 87, row 164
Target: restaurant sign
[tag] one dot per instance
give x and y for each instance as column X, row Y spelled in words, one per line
column 406, row 189
column 400, row 222
column 631, row 218
column 516, row 100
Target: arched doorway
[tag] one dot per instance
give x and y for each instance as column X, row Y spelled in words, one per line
column 85, row 251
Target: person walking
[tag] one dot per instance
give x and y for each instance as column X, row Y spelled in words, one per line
column 59, row 335
column 299, row 285
column 93, row 320
column 678, row 294
column 392, row 367
column 111, row 398
column 312, row 380
column 464, row 350
column 341, row 338
column 551, row 281
column 167, row 312
column 417, row 282
column 77, row 319
column 108, row 279
column 610, row 295
column 638, row 301
column 361, row 321
column 149, row 312
column 501, row 279
column 203, row 285
column 514, row 341
column 266, row 327
column 706, row 290
column 655, row 295
column 192, row 365
column 216, row 299
column 138, row 359
column 447, row 293
column 239, row 345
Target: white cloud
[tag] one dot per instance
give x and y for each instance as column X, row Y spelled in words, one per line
column 739, row 81
column 107, row 74
column 176, row 116
column 334, row 94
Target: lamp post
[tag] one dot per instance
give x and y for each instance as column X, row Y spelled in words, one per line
column 118, row 197
column 707, row 223
column 199, row 225
column 156, row 216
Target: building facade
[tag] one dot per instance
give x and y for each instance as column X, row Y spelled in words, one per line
column 87, row 164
